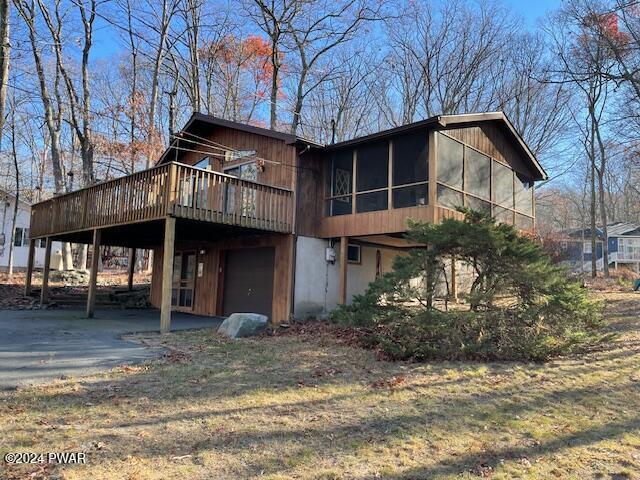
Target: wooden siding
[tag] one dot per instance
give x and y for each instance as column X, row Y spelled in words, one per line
column 383, row 221
column 310, row 194
column 489, row 138
column 209, row 287
column 280, row 174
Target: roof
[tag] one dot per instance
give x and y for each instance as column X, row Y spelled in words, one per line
column 4, row 192
column 618, row 229
column 439, row 121
column 614, row 229
column 201, row 118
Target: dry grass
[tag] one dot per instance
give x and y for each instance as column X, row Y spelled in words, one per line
column 305, row 407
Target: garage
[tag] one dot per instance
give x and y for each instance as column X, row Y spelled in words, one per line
column 248, row 281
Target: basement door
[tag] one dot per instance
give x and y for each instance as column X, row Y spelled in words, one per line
column 248, row 281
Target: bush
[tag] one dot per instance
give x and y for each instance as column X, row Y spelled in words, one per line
column 521, row 305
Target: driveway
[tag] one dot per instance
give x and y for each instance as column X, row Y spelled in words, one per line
column 39, row 346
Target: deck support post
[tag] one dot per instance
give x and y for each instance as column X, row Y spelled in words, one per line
column 167, row 273
column 44, row 293
column 454, row 286
column 131, row 268
column 30, row 260
column 93, row 275
column 343, row 270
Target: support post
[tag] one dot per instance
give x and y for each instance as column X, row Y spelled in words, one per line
column 454, row 286
column 343, row 269
column 167, row 273
column 44, row 293
column 93, row 275
column 30, row 260
column 132, row 267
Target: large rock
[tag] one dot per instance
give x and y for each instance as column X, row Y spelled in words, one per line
column 239, row 325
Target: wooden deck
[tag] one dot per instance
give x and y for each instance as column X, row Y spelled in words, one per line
column 171, row 189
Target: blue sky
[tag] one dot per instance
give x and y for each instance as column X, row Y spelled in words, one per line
column 107, row 43
column 532, row 11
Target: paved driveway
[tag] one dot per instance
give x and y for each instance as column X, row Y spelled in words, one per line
column 41, row 345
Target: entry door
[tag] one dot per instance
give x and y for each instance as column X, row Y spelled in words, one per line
column 184, row 277
column 248, row 281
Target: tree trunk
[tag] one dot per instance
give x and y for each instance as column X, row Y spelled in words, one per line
column 5, row 57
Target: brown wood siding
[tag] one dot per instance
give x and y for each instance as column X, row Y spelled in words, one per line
column 273, row 149
column 310, row 198
column 489, row 138
column 209, row 287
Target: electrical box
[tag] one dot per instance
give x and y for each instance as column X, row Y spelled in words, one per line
column 330, row 255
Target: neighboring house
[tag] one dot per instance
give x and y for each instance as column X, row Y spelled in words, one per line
column 21, row 238
column 243, row 218
column 623, row 244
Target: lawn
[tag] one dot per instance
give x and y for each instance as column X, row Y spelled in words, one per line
column 303, row 406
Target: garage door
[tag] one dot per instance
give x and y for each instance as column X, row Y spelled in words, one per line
column 248, row 281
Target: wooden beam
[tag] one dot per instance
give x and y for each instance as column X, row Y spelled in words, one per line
column 344, row 245
column 44, row 293
column 131, row 268
column 30, row 260
column 432, row 155
column 93, row 274
column 167, row 273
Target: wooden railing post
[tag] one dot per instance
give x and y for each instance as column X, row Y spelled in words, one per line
column 172, row 187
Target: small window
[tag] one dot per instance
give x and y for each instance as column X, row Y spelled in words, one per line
column 502, row 185
column 204, row 163
column 523, row 222
column 450, row 161
column 502, row 215
column 478, row 174
column 586, row 247
column 410, row 196
column 353, row 253
column 42, row 242
column 524, row 194
column 449, row 198
column 478, row 205
column 372, row 202
column 18, row 237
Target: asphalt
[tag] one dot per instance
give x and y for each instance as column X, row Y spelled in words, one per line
column 39, row 346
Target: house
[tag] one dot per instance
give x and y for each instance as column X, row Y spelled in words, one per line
column 21, row 238
column 623, row 242
column 243, row 218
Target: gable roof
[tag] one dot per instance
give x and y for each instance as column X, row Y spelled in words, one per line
column 439, row 121
column 200, row 119
column 618, row 229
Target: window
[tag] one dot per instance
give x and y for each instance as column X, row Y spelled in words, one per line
column 240, row 199
column 410, row 159
column 18, row 238
column 447, row 197
column 450, row 162
column 410, row 196
column 502, row 215
column 502, row 185
column 524, row 194
column 478, row 205
column 524, row 222
column 478, row 174
column 353, row 253
column 204, row 163
column 372, row 166
column 372, row 176
column 340, row 183
column 410, row 167
column 42, row 243
column 586, row 247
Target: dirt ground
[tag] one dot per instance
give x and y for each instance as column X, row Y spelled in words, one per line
column 12, row 288
column 309, row 407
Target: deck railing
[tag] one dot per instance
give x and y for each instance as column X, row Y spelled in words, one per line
column 170, row 189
